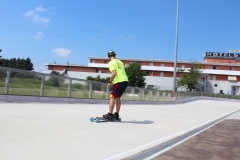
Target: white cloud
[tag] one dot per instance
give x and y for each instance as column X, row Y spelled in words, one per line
column 30, row 13
column 36, row 17
column 62, row 52
column 40, row 9
column 39, row 69
column 40, row 19
column 38, row 35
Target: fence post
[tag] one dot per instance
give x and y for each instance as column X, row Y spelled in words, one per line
column 69, row 87
column 7, row 82
column 142, row 94
column 42, row 86
column 90, row 90
column 150, row 95
column 133, row 92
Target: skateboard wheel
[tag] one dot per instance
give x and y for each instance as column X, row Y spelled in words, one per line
column 97, row 120
column 119, row 120
column 91, row 119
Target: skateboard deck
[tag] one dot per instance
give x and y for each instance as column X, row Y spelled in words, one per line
column 101, row 119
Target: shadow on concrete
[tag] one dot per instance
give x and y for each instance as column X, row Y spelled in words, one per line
column 138, row 122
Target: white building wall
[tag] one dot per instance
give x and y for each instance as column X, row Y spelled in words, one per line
column 165, row 83
column 226, row 86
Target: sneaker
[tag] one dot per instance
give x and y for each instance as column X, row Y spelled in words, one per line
column 116, row 116
column 108, row 116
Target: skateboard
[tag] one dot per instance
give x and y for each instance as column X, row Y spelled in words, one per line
column 101, row 119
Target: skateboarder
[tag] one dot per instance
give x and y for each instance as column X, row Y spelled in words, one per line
column 119, row 80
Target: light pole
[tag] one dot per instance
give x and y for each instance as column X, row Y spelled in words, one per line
column 176, row 51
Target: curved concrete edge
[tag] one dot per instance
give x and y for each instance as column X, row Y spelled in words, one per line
column 38, row 99
column 205, row 98
column 143, row 155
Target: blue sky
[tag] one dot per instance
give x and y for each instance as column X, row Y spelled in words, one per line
column 55, row 31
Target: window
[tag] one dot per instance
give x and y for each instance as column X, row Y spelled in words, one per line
column 150, row 64
column 213, row 77
column 183, row 66
column 130, row 62
column 67, row 68
column 105, row 62
column 231, row 69
column 214, row 67
column 96, row 70
column 208, row 67
column 162, row 64
column 161, row 74
column 147, row 73
column 93, row 61
column 232, row 78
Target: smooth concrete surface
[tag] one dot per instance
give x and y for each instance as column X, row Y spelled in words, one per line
column 219, row 142
column 63, row 131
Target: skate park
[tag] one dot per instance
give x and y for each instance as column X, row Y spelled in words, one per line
column 63, row 130
column 181, row 59
column 56, row 124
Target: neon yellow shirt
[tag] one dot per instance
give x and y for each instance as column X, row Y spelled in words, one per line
column 118, row 65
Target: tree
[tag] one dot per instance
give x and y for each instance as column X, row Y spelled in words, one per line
column 0, row 56
column 154, row 87
column 24, row 64
column 98, row 78
column 189, row 78
column 135, row 75
column 55, row 81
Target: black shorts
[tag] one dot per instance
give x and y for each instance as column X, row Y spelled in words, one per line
column 118, row 89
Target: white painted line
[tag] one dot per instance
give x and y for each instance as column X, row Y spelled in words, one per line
column 186, row 130
column 185, row 139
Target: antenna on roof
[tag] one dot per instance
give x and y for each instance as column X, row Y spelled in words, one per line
column 68, row 60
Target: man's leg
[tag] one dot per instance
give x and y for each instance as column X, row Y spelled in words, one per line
column 111, row 104
column 109, row 115
column 118, row 104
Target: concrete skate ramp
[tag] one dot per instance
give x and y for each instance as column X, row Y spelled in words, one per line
column 63, row 131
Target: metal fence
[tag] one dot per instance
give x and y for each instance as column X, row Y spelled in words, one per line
column 184, row 95
column 30, row 83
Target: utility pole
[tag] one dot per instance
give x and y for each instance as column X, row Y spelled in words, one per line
column 176, row 51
